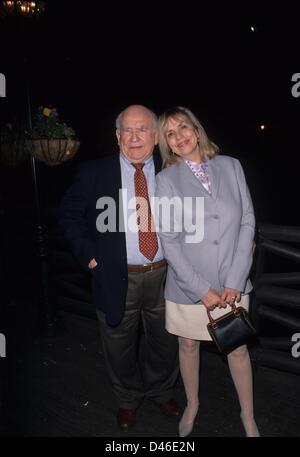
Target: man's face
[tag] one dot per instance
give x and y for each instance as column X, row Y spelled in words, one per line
column 137, row 136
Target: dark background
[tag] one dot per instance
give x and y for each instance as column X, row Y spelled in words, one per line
column 91, row 59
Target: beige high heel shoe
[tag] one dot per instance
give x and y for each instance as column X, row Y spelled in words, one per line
column 185, row 428
column 250, row 427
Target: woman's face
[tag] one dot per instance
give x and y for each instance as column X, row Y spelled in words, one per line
column 183, row 139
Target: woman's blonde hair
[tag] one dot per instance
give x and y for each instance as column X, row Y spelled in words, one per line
column 207, row 147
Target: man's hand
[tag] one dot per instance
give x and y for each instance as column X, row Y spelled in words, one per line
column 212, row 299
column 92, row 264
column 229, row 296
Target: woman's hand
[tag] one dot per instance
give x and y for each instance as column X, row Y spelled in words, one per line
column 211, row 299
column 92, row 264
column 229, row 295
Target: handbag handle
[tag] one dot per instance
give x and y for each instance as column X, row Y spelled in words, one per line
column 213, row 321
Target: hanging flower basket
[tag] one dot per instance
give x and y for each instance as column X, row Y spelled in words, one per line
column 53, row 151
column 13, row 153
column 51, row 140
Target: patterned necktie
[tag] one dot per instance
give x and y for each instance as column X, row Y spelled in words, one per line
column 148, row 244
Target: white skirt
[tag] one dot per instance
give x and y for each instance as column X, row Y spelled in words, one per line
column 190, row 321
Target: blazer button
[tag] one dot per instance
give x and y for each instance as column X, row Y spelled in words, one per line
column 216, row 216
column 216, row 242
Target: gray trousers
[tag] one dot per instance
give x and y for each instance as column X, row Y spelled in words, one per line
column 139, row 362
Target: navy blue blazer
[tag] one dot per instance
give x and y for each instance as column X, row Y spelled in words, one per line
column 77, row 216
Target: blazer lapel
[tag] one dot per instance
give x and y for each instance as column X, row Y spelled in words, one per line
column 157, row 162
column 191, row 178
column 214, row 175
column 115, row 179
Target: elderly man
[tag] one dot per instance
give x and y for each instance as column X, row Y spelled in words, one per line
column 126, row 262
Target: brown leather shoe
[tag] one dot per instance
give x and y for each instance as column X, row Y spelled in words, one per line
column 126, row 418
column 170, row 408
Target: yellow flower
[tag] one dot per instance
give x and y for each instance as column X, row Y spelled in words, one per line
column 46, row 112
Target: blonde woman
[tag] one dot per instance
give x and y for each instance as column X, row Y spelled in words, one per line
column 210, row 273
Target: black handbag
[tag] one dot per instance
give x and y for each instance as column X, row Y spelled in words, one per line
column 231, row 330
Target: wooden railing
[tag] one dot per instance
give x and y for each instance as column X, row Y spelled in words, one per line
column 276, row 302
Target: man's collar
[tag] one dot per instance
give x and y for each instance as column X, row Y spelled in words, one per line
column 128, row 162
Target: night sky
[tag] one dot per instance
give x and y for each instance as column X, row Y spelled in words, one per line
column 90, row 61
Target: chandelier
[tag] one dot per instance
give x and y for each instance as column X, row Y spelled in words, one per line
column 22, row 8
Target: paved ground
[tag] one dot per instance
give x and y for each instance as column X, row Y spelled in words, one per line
column 60, row 388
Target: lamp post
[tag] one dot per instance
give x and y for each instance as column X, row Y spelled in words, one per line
column 48, row 323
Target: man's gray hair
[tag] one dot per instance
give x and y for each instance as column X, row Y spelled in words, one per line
column 119, row 117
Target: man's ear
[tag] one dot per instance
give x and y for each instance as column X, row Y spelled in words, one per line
column 156, row 139
column 118, row 136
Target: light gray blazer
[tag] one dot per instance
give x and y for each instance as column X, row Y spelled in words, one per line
column 224, row 257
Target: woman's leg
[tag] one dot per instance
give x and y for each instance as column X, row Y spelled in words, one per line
column 241, row 372
column 189, row 368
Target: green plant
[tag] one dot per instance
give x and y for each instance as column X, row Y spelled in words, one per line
column 47, row 125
